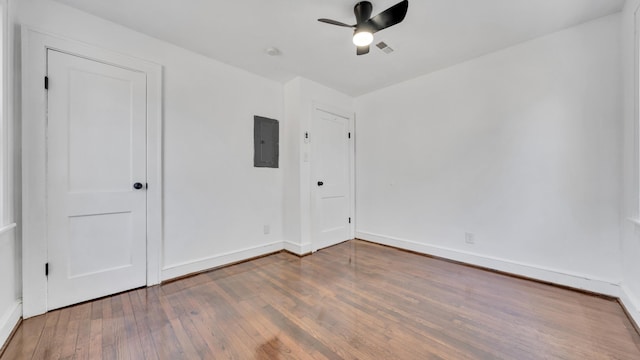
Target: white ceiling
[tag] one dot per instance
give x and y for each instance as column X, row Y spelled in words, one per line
column 435, row 34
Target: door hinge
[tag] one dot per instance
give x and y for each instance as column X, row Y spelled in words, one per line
column 46, row 83
column 46, row 269
column 349, row 220
column 349, row 135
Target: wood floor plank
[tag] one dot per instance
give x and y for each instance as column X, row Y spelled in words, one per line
column 45, row 347
column 356, row 300
column 164, row 339
column 80, row 351
column 131, row 342
column 77, row 318
column 185, row 311
column 141, row 315
column 24, row 341
column 108, row 329
column 60, row 331
column 95, row 330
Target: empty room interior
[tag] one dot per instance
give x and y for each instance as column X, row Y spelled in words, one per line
column 306, row 179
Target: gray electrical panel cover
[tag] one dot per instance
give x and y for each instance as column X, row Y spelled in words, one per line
column 265, row 142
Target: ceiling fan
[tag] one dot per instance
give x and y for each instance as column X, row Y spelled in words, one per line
column 366, row 25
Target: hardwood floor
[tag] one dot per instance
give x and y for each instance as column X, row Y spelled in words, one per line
column 355, row 300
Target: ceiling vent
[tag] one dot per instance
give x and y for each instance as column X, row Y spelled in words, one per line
column 384, row 47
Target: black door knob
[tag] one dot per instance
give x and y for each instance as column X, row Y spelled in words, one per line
column 137, row 186
column 320, row 183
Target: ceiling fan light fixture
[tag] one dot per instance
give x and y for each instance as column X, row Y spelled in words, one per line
column 366, row 25
column 362, row 38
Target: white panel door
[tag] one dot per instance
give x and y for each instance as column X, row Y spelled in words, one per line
column 96, row 152
column 330, row 179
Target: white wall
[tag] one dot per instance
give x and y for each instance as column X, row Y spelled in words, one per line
column 630, row 294
column 10, row 277
column 519, row 147
column 291, row 144
column 300, row 97
column 216, row 202
column 10, row 304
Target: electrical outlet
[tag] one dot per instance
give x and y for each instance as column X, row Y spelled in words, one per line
column 267, row 229
column 469, row 238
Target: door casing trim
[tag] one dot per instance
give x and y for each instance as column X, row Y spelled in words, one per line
column 35, row 44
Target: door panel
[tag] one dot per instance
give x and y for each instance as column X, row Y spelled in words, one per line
column 93, row 125
column 110, row 235
column 334, row 212
column 330, row 162
column 96, row 150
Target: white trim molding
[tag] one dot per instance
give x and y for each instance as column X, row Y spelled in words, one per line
column 7, row 143
column 607, row 287
column 6, row 229
column 35, row 45
column 634, row 221
column 630, row 303
column 298, row 249
column 215, row 261
column 8, row 321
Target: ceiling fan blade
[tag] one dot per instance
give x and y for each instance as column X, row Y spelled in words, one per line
column 362, row 10
column 389, row 17
column 362, row 50
column 333, row 22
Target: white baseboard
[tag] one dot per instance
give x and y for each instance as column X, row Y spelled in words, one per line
column 185, row 268
column 631, row 304
column 298, row 249
column 9, row 320
column 593, row 284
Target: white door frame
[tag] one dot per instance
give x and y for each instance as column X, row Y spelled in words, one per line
column 35, row 45
column 312, row 183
